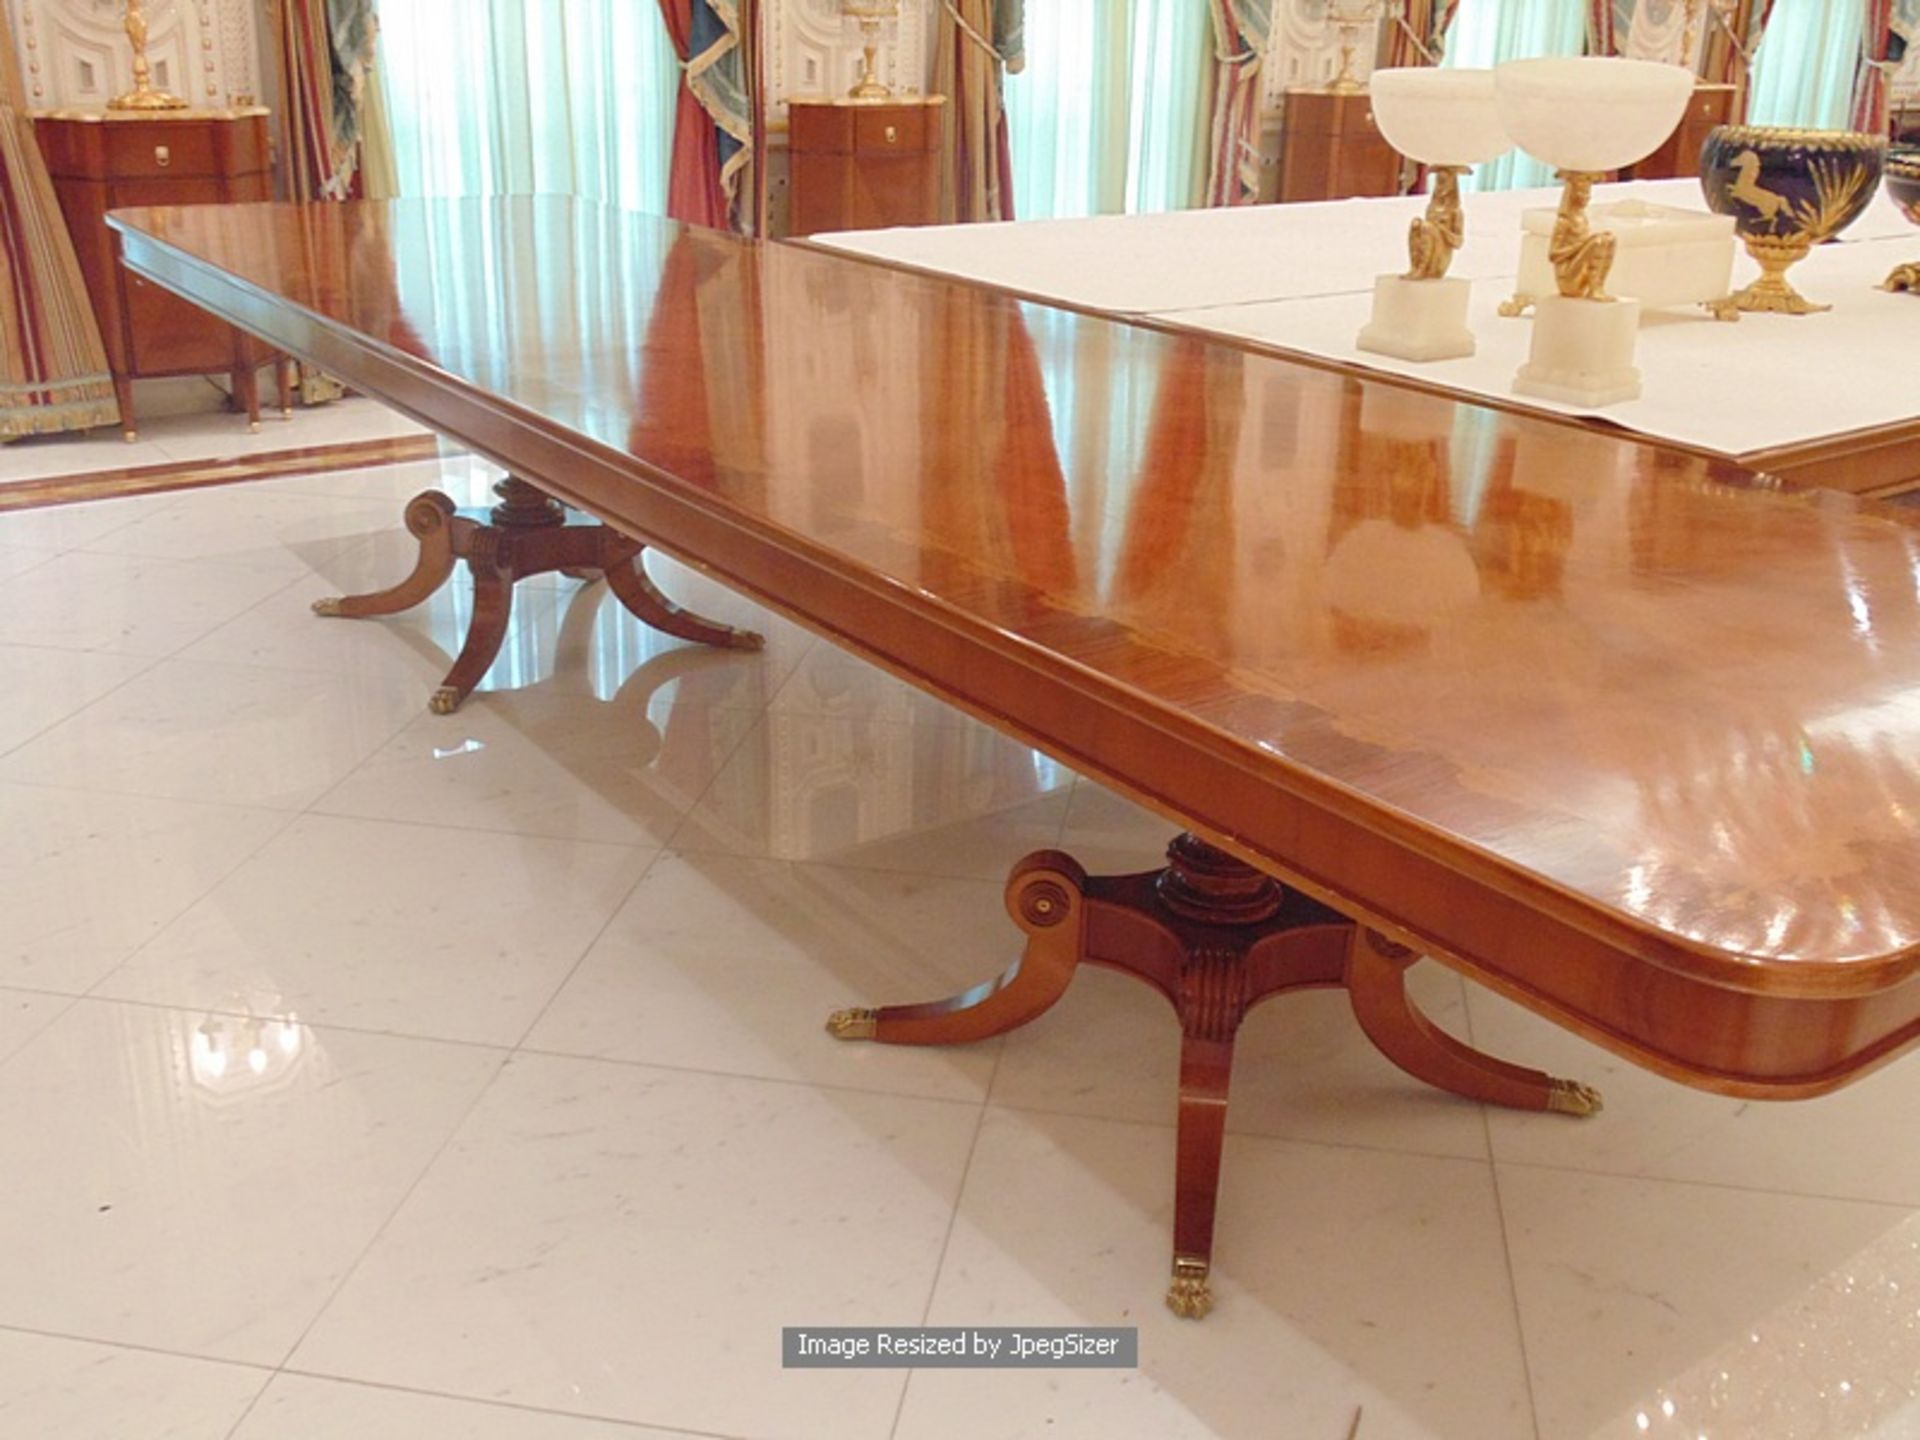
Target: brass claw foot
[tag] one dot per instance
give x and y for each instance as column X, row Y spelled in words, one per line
column 1189, row 1296
column 445, row 700
column 1904, row 277
column 854, row 1024
column 1570, row 1097
column 328, row 606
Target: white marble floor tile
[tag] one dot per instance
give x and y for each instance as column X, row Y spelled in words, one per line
column 467, row 478
column 202, row 1183
column 18, row 559
column 452, row 934
column 1636, row 1294
column 241, row 734
column 127, row 604
column 86, row 878
column 54, row 1389
column 1657, row 1129
column 38, row 457
column 627, row 1243
column 298, row 1407
column 243, row 524
column 213, row 435
column 1302, row 1068
column 1345, row 1280
column 63, row 527
column 734, row 965
column 24, row 1014
column 552, row 760
column 928, row 799
column 43, row 687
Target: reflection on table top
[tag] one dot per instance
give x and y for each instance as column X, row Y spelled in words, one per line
column 1609, row 680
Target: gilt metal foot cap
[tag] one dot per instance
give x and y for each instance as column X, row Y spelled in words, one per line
column 1189, row 1296
column 1570, row 1097
column 854, row 1024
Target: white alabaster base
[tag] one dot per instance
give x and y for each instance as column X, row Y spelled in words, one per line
column 1582, row 352
column 1418, row 319
column 1666, row 256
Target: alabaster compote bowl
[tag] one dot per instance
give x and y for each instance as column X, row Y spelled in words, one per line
column 1787, row 190
column 1903, row 184
column 1447, row 120
column 1586, row 116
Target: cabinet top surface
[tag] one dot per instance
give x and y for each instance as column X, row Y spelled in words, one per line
column 1620, row 679
column 162, row 117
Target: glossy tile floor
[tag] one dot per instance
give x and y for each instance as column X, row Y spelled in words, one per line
column 366, row 1073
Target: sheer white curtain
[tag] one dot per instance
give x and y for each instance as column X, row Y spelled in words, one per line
column 1486, row 32
column 1106, row 116
column 1804, row 72
column 531, row 97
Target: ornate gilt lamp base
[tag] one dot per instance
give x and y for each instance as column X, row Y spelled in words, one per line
column 1771, row 294
column 145, row 97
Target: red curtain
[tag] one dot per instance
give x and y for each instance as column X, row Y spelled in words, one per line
column 1601, row 36
column 694, row 191
column 1878, row 59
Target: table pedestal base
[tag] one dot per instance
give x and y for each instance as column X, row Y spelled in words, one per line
column 1216, row 937
column 527, row 533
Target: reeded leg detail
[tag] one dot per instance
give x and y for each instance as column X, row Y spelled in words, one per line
column 1376, row 985
column 1206, row 1066
column 431, row 520
column 636, row 590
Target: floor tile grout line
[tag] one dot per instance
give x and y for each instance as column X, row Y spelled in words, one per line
column 112, row 690
column 946, row 1239
column 1506, row 1237
column 353, row 1268
column 643, row 1428
column 1723, row 1186
column 10, row 1328
column 273, row 834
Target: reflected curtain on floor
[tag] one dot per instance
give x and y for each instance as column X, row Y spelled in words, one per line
column 508, row 97
column 1883, row 49
column 1804, row 70
column 53, row 367
column 1488, row 32
column 978, row 42
column 1106, row 117
column 1242, row 36
column 1417, row 32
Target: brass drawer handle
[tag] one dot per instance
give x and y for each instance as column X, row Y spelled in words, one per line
column 162, row 156
column 893, row 134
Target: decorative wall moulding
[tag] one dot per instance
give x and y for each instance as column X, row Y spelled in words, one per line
column 813, row 52
column 74, row 53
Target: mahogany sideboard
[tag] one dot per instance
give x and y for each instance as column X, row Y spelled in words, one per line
column 1618, row 730
column 1331, row 148
column 864, row 164
column 103, row 160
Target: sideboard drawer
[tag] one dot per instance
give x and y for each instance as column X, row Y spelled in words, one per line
column 891, row 129
column 137, row 151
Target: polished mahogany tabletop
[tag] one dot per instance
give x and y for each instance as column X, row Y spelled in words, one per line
column 1612, row 726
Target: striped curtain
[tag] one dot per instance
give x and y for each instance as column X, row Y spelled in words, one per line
column 1602, row 32
column 1242, row 35
column 53, row 367
column 1883, row 48
column 1417, row 33
column 325, row 50
column 977, row 41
